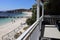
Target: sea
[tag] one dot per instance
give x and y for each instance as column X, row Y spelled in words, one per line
column 12, row 16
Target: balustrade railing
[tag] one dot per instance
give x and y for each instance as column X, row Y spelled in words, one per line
column 51, row 19
column 33, row 32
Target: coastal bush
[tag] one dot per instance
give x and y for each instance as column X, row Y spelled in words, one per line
column 52, row 7
column 20, row 32
column 17, row 35
column 25, row 28
column 31, row 20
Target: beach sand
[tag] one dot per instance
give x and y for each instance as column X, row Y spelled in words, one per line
column 6, row 28
column 29, row 14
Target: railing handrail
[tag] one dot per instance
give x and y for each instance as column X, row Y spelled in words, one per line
column 29, row 29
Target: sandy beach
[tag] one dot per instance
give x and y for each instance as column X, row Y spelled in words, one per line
column 29, row 14
column 8, row 27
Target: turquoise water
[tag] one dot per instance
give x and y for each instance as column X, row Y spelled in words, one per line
column 6, row 20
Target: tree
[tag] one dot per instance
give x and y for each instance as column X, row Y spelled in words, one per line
column 53, row 7
column 31, row 20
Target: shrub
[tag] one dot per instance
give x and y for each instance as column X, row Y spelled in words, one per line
column 20, row 32
column 25, row 28
column 16, row 35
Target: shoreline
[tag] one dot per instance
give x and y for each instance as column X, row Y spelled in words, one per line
column 8, row 27
column 28, row 14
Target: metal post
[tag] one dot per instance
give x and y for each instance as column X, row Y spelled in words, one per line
column 38, row 9
column 42, row 11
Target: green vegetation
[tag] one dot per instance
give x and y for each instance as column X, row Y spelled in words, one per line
column 25, row 28
column 52, row 7
column 31, row 20
column 17, row 35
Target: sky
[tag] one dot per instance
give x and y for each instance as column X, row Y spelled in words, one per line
column 15, row 4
